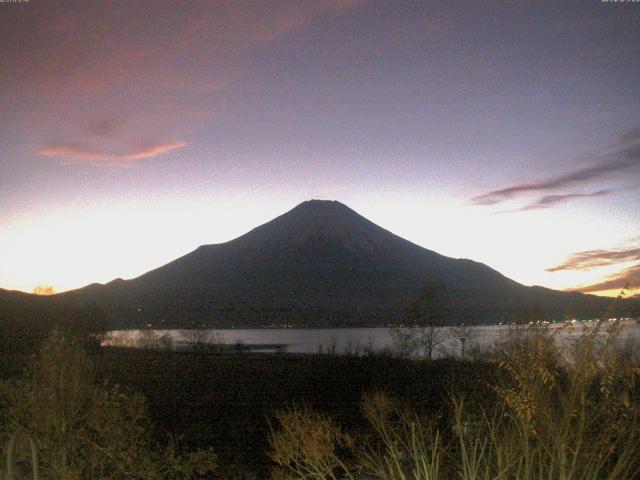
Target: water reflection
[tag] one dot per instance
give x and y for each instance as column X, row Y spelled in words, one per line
column 449, row 341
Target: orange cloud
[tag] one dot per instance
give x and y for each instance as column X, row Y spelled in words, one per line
column 628, row 279
column 73, row 153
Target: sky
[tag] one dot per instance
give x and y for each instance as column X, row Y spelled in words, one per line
column 507, row 132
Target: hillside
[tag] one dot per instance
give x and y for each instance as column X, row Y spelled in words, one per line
column 321, row 264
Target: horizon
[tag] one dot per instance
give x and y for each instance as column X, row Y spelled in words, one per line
column 508, row 134
column 50, row 290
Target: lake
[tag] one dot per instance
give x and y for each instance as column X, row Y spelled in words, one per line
column 342, row 340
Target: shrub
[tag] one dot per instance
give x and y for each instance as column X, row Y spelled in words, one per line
column 87, row 430
column 570, row 415
column 306, row 445
column 561, row 416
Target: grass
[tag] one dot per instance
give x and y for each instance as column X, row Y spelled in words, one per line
column 570, row 415
column 528, row 412
column 80, row 427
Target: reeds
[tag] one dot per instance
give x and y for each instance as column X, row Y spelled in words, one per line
column 559, row 414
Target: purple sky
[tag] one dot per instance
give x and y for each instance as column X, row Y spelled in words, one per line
column 132, row 132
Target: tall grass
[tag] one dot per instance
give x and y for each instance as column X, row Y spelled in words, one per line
column 81, row 428
column 570, row 414
column 11, row 456
column 307, row 445
column 403, row 446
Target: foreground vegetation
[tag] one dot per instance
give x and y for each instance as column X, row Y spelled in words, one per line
column 555, row 417
column 81, row 428
column 524, row 412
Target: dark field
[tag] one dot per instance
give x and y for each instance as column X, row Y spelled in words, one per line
column 225, row 401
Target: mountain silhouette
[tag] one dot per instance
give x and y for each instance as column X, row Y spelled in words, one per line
column 321, row 264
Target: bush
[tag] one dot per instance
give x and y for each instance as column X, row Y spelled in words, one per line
column 575, row 415
column 560, row 417
column 87, row 430
column 307, row 445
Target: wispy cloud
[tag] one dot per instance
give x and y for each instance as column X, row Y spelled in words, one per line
column 625, row 160
column 160, row 76
column 629, row 278
column 591, row 259
column 615, row 163
column 75, row 153
column 550, row 201
column 148, row 151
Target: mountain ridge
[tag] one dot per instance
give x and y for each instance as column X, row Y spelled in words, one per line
column 321, row 264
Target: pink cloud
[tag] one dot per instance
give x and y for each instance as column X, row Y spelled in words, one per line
column 153, row 151
column 74, row 153
column 598, row 258
column 70, row 65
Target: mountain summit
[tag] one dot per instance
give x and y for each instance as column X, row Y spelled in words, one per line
column 320, row 264
column 317, row 227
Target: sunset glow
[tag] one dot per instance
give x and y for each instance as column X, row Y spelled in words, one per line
column 133, row 134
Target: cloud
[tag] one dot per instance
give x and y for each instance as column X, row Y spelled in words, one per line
column 75, row 153
column 627, row 159
column 619, row 161
column 598, row 258
column 629, row 278
column 550, row 201
column 106, row 127
column 149, row 151
column 161, row 65
column 74, row 45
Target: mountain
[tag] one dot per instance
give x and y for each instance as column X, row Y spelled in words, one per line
column 27, row 319
column 321, row 264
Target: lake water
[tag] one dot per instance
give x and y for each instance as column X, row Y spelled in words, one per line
column 342, row 340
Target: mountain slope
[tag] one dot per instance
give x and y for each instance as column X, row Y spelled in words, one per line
column 320, row 264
